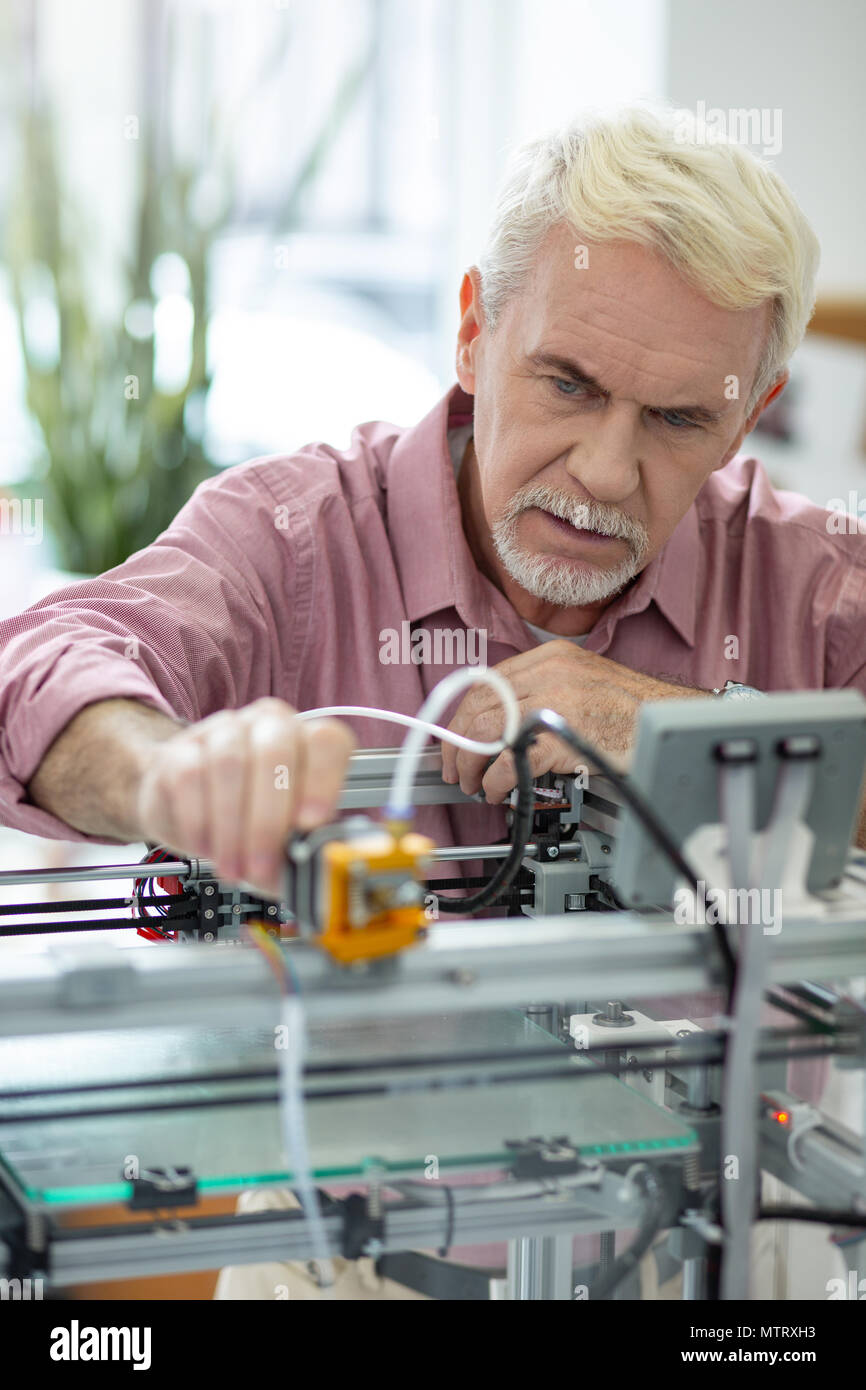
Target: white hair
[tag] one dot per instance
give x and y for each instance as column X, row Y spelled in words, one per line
column 721, row 215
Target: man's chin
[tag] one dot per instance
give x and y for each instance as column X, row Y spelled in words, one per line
column 568, row 582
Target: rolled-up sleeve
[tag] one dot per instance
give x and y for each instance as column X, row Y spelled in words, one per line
column 187, row 626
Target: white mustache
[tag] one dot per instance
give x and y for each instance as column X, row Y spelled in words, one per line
column 585, row 516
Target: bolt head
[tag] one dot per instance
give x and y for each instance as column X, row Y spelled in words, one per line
column 462, row 977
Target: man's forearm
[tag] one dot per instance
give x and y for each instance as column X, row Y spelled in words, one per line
column 91, row 774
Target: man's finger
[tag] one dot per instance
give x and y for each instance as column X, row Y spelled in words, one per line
column 271, row 795
column 226, row 757
column 546, row 754
column 328, row 747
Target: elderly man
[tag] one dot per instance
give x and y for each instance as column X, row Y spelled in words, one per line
column 576, row 502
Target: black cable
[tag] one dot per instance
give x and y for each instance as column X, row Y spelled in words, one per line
column 622, row 1266
column 551, row 722
column 449, row 1230
column 91, row 924
column 522, row 829
column 554, row 723
column 563, row 1072
column 352, row 1065
column 823, row 1216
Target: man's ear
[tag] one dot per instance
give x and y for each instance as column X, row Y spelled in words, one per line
column 761, row 405
column 467, row 291
column 471, row 321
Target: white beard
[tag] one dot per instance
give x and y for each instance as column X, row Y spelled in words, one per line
column 568, row 584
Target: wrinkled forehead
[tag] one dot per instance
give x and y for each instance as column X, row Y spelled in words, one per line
column 632, row 320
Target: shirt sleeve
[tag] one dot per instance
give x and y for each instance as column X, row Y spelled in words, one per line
column 187, row 626
column 846, row 634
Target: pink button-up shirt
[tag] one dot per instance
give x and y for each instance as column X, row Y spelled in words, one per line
column 285, row 576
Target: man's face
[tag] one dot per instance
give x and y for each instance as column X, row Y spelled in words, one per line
column 603, row 401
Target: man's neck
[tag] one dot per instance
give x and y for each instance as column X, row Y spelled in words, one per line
column 565, row 622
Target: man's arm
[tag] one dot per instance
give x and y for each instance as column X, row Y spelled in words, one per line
column 91, row 775
column 229, row 788
column 202, row 620
column 598, row 696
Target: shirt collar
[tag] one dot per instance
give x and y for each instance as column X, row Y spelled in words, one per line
column 669, row 581
column 437, row 568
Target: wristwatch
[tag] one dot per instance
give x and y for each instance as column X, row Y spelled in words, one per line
column 735, row 690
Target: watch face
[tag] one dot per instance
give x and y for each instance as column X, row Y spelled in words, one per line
column 734, row 691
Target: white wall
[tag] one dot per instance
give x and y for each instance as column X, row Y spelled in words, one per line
column 806, row 59
column 522, row 67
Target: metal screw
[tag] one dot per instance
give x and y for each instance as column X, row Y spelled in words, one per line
column 208, row 936
column 552, row 852
column 272, row 911
column 209, row 891
column 408, row 894
column 462, row 977
column 605, row 849
column 236, row 909
column 613, row 1017
column 208, row 913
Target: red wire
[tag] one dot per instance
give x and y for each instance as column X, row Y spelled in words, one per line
column 151, row 933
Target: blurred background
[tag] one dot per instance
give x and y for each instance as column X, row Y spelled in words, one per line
column 228, row 227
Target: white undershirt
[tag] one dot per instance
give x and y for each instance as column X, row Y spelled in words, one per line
column 542, row 635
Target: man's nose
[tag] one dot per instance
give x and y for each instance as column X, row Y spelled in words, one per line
column 604, row 459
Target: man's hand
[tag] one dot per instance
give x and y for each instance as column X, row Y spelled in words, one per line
column 231, row 788
column 598, row 697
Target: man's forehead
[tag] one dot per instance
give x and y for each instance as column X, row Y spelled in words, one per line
column 628, row 310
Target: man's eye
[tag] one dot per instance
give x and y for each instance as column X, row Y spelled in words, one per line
column 677, row 422
column 566, row 387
